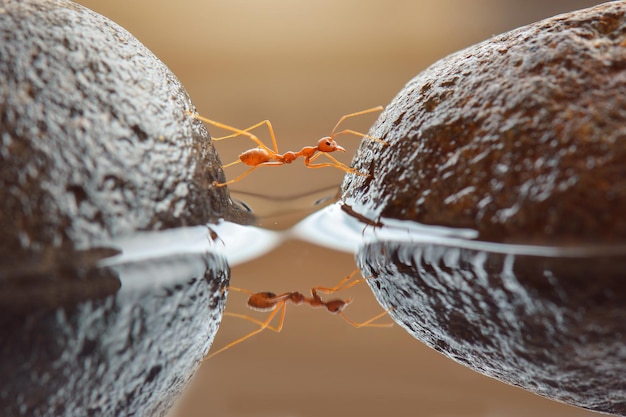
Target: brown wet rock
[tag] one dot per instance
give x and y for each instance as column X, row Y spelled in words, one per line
column 521, row 137
column 95, row 145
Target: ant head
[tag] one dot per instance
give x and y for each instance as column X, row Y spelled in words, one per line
column 327, row 144
column 335, row 306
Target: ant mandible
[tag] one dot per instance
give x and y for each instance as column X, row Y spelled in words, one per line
column 268, row 301
column 264, row 156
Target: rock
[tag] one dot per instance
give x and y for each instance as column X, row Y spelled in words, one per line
column 94, row 140
column 521, row 141
column 521, row 137
column 95, row 145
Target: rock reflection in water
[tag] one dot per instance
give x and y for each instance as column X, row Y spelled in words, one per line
column 128, row 333
column 548, row 319
column 550, row 324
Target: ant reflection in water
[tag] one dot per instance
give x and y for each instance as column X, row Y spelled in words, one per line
column 264, row 156
column 267, row 301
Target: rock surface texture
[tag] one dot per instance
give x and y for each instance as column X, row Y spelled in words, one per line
column 95, row 145
column 94, row 140
column 114, row 353
column 522, row 139
column 552, row 325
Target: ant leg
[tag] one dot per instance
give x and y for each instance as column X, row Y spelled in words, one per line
column 264, row 325
column 246, row 173
column 336, row 164
column 222, row 184
column 238, row 161
column 363, row 135
column 358, row 113
column 238, row 132
column 350, row 170
column 243, row 290
column 252, row 319
column 368, row 323
column 248, row 129
column 339, row 165
column 341, row 285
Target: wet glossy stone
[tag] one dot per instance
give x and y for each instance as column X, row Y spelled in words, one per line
column 520, row 137
column 553, row 325
column 519, row 140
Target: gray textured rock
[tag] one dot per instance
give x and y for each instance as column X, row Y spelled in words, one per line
column 117, row 351
column 94, row 140
column 95, row 145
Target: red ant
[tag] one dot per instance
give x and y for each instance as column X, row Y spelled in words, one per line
column 264, row 156
column 268, row 301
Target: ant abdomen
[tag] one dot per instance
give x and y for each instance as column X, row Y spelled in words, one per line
column 255, row 156
column 335, row 306
column 263, row 301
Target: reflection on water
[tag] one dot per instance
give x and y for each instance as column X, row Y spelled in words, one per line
column 122, row 332
column 282, row 211
column 333, row 227
column 137, row 345
column 548, row 319
column 237, row 243
column 551, row 324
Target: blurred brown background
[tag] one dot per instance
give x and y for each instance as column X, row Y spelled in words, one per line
column 303, row 65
